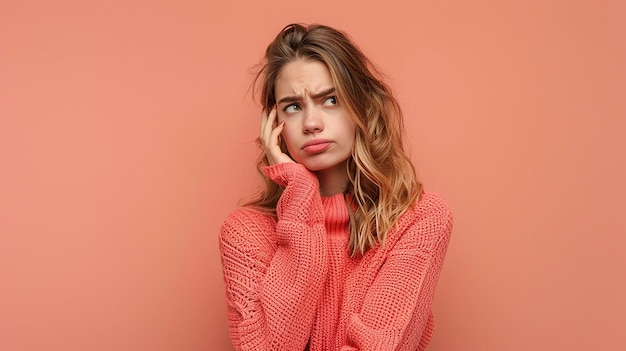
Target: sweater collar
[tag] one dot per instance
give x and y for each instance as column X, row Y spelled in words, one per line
column 336, row 214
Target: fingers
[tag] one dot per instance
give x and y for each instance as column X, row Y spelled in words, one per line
column 275, row 134
column 270, row 137
column 263, row 120
column 267, row 126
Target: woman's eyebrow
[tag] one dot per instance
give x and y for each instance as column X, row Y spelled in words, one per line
column 313, row 96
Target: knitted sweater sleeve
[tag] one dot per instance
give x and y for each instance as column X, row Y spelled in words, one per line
column 273, row 285
column 397, row 305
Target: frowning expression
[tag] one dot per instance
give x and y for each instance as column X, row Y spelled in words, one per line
column 318, row 131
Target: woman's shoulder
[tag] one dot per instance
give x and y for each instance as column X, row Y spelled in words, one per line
column 430, row 218
column 432, row 205
column 247, row 223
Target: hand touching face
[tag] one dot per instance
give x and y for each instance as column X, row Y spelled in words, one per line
column 315, row 126
column 269, row 136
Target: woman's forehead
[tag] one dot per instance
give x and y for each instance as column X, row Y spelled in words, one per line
column 303, row 78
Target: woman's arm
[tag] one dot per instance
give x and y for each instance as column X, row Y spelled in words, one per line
column 397, row 305
column 273, row 286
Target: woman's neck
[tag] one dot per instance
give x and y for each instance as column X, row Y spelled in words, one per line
column 333, row 180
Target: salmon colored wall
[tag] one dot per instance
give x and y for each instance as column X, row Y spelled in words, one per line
column 126, row 136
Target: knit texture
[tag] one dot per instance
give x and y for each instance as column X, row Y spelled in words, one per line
column 291, row 282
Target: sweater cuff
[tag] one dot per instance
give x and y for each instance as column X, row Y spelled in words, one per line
column 301, row 201
column 365, row 337
column 285, row 173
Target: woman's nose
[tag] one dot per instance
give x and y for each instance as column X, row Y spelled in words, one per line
column 313, row 121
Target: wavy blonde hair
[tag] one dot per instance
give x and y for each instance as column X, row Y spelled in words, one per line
column 382, row 180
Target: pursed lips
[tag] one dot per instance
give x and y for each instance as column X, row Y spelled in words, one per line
column 315, row 146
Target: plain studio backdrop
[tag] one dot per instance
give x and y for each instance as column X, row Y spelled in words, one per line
column 127, row 134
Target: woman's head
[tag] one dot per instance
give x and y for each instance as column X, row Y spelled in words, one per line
column 318, row 131
column 357, row 86
column 382, row 180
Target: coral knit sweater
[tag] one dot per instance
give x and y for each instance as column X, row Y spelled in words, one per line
column 292, row 285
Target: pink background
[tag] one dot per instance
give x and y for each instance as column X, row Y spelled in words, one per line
column 126, row 136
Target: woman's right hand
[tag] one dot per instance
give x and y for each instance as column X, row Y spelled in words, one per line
column 270, row 138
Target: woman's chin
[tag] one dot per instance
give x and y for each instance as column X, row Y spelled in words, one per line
column 324, row 166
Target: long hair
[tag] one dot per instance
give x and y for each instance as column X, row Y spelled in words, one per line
column 382, row 180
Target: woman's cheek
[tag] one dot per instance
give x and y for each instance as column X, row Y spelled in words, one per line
column 288, row 139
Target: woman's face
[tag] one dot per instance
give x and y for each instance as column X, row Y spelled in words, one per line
column 318, row 131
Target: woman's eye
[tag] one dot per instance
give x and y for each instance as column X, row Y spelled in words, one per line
column 292, row 108
column 331, row 101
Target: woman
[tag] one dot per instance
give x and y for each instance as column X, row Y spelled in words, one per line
column 342, row 250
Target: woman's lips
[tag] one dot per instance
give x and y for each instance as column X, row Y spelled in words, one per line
column 316, row 146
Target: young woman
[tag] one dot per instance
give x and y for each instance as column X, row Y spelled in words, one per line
column 342, row 250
